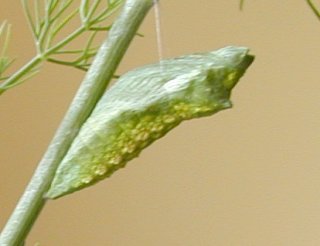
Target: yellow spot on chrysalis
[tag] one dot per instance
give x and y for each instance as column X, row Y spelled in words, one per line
column 135, row 132
column 100, row 170
column 86, row 180
column 115, row 160
column 206, row 109
column 181, row 107
column 129, row 148
column 142, row 136
column 183, row 115
column 76, row 184
column 140, row 126
column 168, row 119
column 157, row 128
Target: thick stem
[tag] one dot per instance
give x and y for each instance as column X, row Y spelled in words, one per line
column 91, row 89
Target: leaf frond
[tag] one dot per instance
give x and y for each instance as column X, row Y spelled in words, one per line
column 47, row 20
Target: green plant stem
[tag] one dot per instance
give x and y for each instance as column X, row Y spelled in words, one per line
column 241, row 4
column 314, row 8
column 91, row 89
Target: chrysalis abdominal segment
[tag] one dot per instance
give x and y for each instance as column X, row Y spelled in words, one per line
column 143, row 106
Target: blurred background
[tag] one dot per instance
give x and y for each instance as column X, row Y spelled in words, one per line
column 246, row 176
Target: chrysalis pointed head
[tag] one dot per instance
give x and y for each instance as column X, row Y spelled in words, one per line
column 236, row 60
column 209, row 90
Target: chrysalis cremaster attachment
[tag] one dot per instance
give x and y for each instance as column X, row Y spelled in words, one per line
column 143, row 106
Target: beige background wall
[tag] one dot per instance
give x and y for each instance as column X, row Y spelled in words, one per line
column 248, row 176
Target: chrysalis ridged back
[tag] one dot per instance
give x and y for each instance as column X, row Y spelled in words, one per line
column 143, row 106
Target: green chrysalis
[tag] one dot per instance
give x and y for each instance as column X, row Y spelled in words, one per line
column 143, row 106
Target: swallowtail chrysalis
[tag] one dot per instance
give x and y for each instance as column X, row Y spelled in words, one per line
column 142, row 106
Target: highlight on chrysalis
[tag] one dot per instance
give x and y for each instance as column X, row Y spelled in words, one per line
column 142, row 106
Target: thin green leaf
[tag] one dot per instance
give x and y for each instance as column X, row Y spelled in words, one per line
column 37, row 19
column 29, row 75
column 28, row 14
column 5, row 61
column 2, row 27
column 51, row 6
column 61, row 62
column 313, row 7
column 83, row 10
column 63, row 52
column 68, row 63
column 7, row 30
column 60, row 26
column 103, row 28
column 62, row 10
column 93, row 9
column 241, row 4
column 87, row 53
column 107, row 12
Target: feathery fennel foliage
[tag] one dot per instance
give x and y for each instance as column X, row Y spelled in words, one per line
column 48, row 20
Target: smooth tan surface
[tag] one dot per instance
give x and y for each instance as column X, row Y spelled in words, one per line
column 247, row 176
